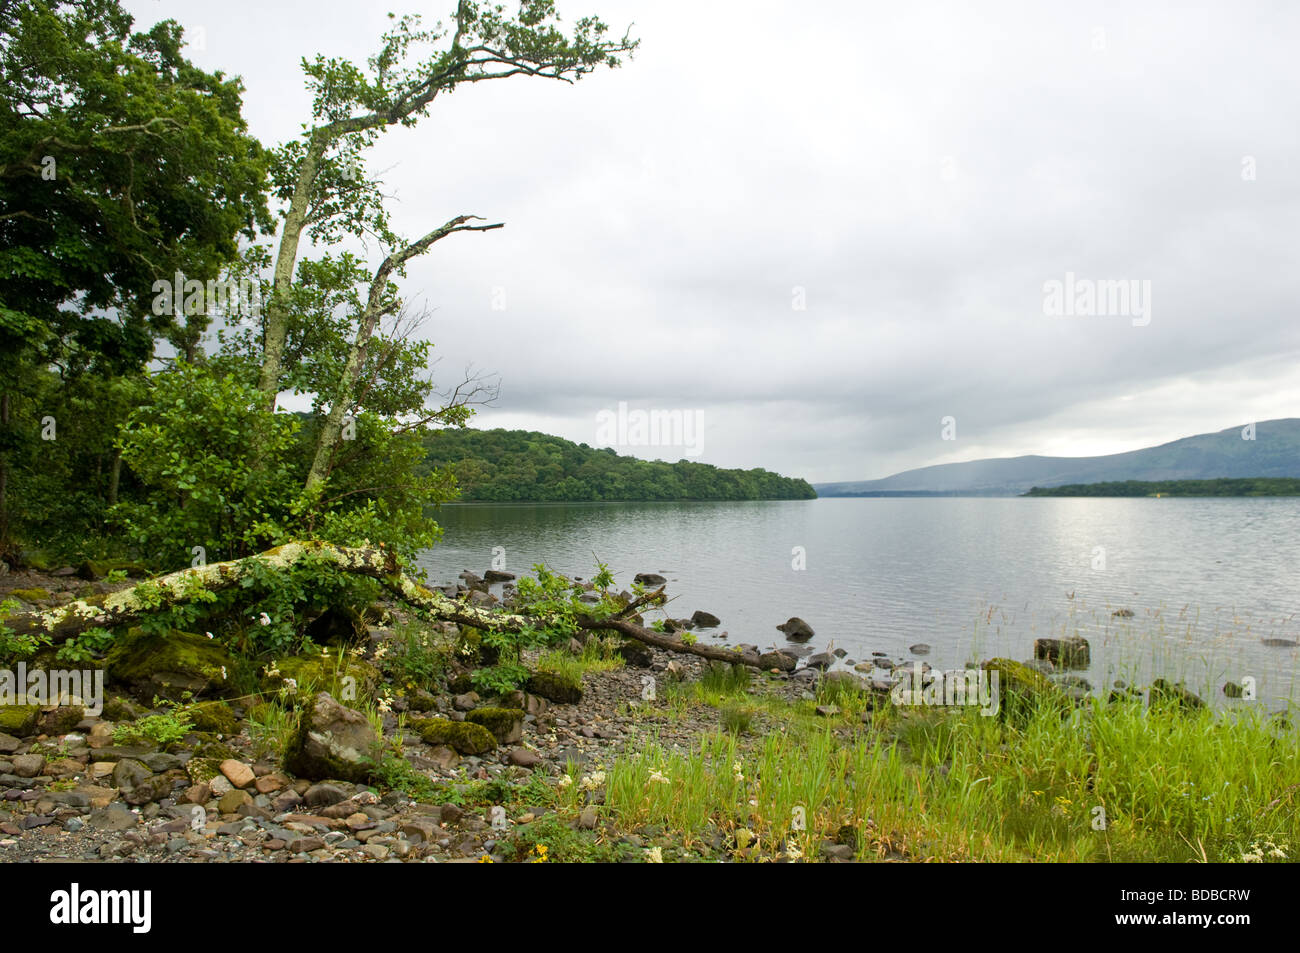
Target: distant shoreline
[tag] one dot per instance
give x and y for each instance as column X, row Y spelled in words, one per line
column 1234, row 487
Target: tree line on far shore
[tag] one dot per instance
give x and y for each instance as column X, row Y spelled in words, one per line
column 1254, row 486
column 526, row 466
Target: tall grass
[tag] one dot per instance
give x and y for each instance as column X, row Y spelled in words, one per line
column 1108, row 782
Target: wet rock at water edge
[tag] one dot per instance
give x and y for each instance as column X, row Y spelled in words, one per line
column 796, row 629
column 1073, row 652
column 705, row 620
column 920, row 648
column 1122, row 614
column 781, row 661
column 649, row 579
column 1164, row 692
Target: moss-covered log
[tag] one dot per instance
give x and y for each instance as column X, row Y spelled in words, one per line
column 178, row 588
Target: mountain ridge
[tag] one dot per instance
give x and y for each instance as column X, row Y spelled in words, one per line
column 1274, row 452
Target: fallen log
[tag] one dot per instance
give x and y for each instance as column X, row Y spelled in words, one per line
column 184, row 586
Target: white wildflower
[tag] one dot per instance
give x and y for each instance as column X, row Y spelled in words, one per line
column 654, row 855
column 657, row 777
column 264, row 619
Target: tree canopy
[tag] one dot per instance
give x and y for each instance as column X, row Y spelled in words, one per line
column 522, row 465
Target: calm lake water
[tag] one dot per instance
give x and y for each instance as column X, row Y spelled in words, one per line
column 1207, row 580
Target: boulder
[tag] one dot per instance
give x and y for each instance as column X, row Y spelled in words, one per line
column 634, row 653
column 821, row 661
column 332, row 741
column 796, row 629
column 342, row 677
column 920, row 648
column 705, row 620
column 1174, row 694
column 1020, row 688
column 214, row 716
column 465, row 737
column 19, row 720
column 498, row 575
column 60, row 720
column 554, row 687
column 649, row 579
column 506, row 724
column 169, row 664
column 1072, row 652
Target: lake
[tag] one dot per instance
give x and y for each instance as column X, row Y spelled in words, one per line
column 1207, row 580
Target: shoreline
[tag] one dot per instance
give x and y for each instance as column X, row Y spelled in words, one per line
column 708, row 766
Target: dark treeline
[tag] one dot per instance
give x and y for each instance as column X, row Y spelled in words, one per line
column 522, row 465
column 1255, row 486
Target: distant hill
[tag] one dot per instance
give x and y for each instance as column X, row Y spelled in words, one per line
column 523, row 465
column 1275, row 452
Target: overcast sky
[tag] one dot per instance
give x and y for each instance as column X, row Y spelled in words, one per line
column 919, row 170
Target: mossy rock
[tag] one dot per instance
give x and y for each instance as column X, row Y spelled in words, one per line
column 19, row 720
column 122, row 709
column 506, row 724
column 214, row 716
column 169, row 664
column 332, row 741
column 1173, row 695
column 634, row 653
column 555, row 688
column 345, row 678
column 420, row 700
column 39, row 560
column 465, row 737
column 32, row 595
column 202, row 770
column 460, row 684
column 216, row 750
column 61, row 720
column 1021, row 689
column 92, row 569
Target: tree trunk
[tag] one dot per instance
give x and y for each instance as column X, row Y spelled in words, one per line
column 343, row 397
column 114, row 476
column 127, row 606
column 275, row 326
column 4, row 475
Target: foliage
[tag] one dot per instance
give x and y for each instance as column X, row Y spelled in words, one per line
column 516, row 465
column 1261, row 486
column 86, row 647
column 418, row 661
column 17, row 646
column 548, row 595
column 164, row 729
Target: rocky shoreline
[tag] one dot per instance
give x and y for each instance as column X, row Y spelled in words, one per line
column 483, row 768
